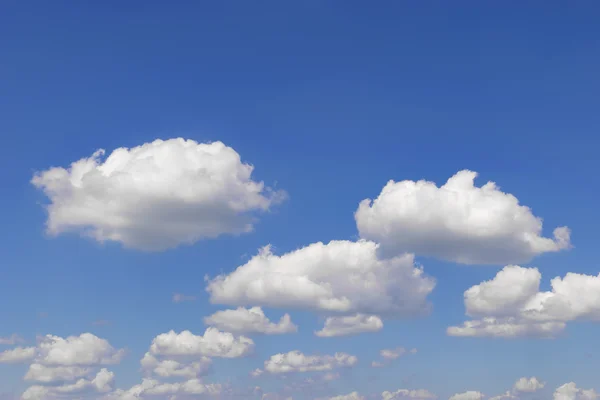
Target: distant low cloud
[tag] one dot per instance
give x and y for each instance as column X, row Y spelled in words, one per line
column 350, row 325
column 511, row 304
column 457, row 222
column 470, row 395
column 295, row 361
column 180, row 298
column 155, row 196
column 11, row 340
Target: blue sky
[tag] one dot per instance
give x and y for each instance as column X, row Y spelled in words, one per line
column 328, row 101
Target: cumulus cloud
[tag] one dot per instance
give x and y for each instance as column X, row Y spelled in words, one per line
column 403, row 394
column 17, row 355
column 155, row 196
column 350, row 325
column 457, row 222
column 213, row 343
column 349, row 396
column 528, row 385
column 101, row 383
column 469, row 395
column 169, row 368
column 72, row 361
column 341, row 276
column 250, row 320
column 511, row 305
column 43, row 373
column 570, row 391
column 151, row 388
column 506, row 396
column 85, row 349
column 295, row 361
column 11, row 340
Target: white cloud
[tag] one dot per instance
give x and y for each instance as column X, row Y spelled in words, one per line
column 340, row 276
column 295, row 361
column 570, row 391
column 11, row 340
column 180, row 298
column 102, row 383
column 212, row 344
column 85, row 349
column 349, row 396
column 152, row 387
column 506, row 328
column 250, row 320
column 42, row 373
column 457, row 222
column 511, row 305
column 17, row 355
column 350, row 325
column 155, row 196
column 388, row 355
column 506, row 396
column 528, row 385
column 392, row 354
column 401, row 394
column 168, row 368
column 256, row 373
column 470, row 395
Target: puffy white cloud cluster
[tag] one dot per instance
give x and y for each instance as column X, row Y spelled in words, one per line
column 469, row 395
column 102, row 383
column 350, row 325
column 457, row 222
column 528, row 385
column 404, row 394
column 511, row 305
column 349, row 396
column 155, row 196
column 338, row 277
column 154, row 389
column 213, row 343
column 250, row 320
column 570, row 391
column 295, row 361
column 72, row 362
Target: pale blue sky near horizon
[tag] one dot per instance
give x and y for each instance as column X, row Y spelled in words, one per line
column 328, row 100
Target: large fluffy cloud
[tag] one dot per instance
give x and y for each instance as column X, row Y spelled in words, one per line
column 155, row 196
column 250, row 320
column 341, row 276
column 169, row 367
column 85, row 349
column 511, row 305
column 350, row 325
column 570, row 391
column 213, row 343
column 458, row 222
column 295, row 361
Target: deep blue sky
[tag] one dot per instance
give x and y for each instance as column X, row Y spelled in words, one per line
column 328, row 100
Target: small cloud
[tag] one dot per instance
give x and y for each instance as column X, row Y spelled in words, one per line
column 11, row 340
column 180, row 298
